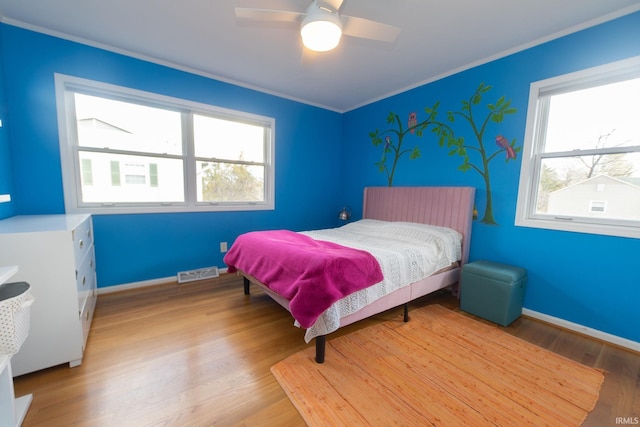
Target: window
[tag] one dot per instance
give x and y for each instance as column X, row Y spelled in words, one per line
column 127, row 151
column 581, row 156
column 597, row 205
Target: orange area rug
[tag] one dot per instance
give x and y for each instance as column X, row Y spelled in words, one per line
column 441, row 368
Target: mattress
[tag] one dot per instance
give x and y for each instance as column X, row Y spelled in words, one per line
column 407, row 252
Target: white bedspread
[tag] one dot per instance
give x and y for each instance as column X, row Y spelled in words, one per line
column 407, row 252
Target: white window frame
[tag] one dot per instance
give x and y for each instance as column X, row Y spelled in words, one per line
column 526, row 215
column 72, row 174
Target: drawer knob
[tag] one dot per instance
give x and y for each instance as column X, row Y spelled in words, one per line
column 84, row 280
column 81, row 243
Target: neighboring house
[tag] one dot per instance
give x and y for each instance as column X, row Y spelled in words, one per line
column 105, row 176
column 599, row 196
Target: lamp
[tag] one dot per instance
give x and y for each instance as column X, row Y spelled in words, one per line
column 321, row 29
column 345, row 213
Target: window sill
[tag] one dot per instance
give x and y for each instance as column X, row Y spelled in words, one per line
column 580, row 227
column 107, row 210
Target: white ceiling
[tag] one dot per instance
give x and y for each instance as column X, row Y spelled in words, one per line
column 203, row 36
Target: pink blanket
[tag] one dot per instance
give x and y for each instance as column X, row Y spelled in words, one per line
column 310, row 274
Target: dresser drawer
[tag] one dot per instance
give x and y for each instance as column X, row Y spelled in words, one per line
column 86, row 316
column 86, row 276
column 82, row 240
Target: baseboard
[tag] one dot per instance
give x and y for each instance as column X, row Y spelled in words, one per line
column 584, row 330
column 135, row 285
column 143, row 284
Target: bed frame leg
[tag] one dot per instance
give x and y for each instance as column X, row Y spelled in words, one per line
column 246, row 285
column 321, row 341
column 455, row 290
column 406, row 311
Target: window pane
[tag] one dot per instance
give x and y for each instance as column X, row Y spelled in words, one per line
column 229, row 182
column 225, row 139
column 121, row 178
column 599, row 117
column 118, row 125
column 598, row 206
column 600, row 186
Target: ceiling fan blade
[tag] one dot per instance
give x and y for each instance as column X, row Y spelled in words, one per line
column 367, row 29
column 268, row 15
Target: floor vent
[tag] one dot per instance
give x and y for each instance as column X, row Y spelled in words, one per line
column 199, row 274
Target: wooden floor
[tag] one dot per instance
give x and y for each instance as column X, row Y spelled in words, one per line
column 199, row 354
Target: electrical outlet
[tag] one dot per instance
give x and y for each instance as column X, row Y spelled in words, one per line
column 223, row 247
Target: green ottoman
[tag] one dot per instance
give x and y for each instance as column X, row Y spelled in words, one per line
column 492, row 291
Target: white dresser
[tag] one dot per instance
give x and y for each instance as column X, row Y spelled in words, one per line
column 55, row 255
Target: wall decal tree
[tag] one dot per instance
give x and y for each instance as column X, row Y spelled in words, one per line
column 459, row 147
column 394, row 138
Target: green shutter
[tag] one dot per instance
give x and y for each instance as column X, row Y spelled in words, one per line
column 115, row 173
column 87, row 172
column 153, row 174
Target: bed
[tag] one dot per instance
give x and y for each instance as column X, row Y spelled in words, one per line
column 445, row 211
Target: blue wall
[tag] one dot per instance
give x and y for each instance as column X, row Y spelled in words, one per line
column 587, row 279
column 6, row 169
column 131, row 248
column 323, row 161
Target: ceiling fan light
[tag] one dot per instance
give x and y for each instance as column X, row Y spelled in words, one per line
column 321, row 31
column 321, row 36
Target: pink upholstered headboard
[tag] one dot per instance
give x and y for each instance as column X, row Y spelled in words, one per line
column 443, row 206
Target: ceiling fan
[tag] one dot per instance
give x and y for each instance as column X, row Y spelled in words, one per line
column 322, row 25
